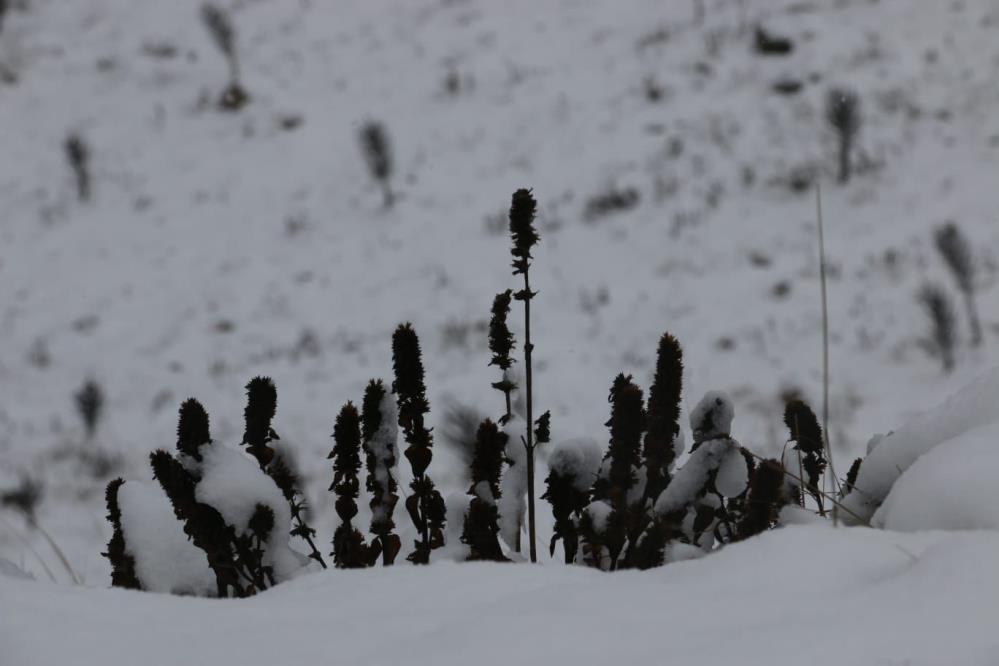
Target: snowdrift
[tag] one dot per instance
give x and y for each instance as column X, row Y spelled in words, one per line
column 937, row 471
column 819, row 594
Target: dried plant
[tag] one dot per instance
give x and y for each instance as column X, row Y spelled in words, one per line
column 122, row 563
column 425, row 505
column 378, row 155
column 941, row 340
column 349, row 549
column 481, row 529
column 261, row 405
column 956, row 252
column 90, row 404
column 78, row 156
column 843, row 114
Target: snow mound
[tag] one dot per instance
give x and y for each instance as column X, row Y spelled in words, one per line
column 234, row 484
column 165, row 560
column 971, row 408
column 952, row 487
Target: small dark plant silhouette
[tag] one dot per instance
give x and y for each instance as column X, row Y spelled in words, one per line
column 843, row 114
column 568, row 494
column 122, row 563
column 261, row 405
column 349, row 549
column 284, row 476
column 425, row 505
column 941, row 340
column 78, row 156
column 764, row 500
column 380, row 434
column 956, row 252
column 501, row 343
column 481, row 528
column 851, row 476
column 806, row 433
column 220, row 27
column 768, row 44
column 90, row 404
column 378, row 154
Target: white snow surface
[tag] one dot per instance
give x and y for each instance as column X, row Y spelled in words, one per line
column 926, row 599
column 970, row 410
column 165, row 559
column 951, row 487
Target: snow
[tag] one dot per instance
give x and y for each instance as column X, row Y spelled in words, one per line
column 513, row 486
column 578, row 458
column 875, row 598
column 384, row 444
column 733, row 474
column 222, row 246
column 690, row 479
column 951, row 487
column 970, row 408
column 599, row 512
column 234, row 484
column 712, row 417
column 165, row 560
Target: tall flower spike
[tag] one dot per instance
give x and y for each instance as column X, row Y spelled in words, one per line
column 523, row 208
column 261, row 405
column 192, row 428
column 501, row 340
column 664, row 415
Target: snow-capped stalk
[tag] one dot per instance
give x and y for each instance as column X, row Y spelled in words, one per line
column 349, row 549
column 261, row 405
column 122, row 563
column 956, row 252
column 522, row 211
column 623, row 456
column 286, row 479
column 807, row 435
column 425, row 505
column 501, row 343
column 78, row 156
column 223, row 33
column 380, row 433
column 570, row 476
column 481, row 529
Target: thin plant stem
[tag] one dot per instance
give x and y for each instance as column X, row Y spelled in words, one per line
column 825, row 343
column 529, row 442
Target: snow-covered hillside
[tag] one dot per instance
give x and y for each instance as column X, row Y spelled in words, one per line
column 218, row 246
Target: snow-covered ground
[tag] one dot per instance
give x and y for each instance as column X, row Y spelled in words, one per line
column 802, row 594
column 220, row 246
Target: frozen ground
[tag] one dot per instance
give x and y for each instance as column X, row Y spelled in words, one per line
column 850, row 596
column 221, row 246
